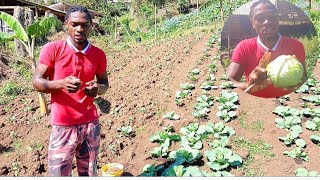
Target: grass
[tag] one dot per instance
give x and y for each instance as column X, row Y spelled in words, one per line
column 251, row 167
column 17, row 145
column 257, row 126
column 35, row 146
column 140, row 130
column 10, row 90
column 22, row 69
column 16, row 167
column 311, row 46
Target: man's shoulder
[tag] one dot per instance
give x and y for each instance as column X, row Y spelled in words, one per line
column 249, row 41
column 290, row 40
column 56, row 43
column 96, row 49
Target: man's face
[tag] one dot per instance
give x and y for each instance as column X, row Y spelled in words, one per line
column 265, row 21
column 79, row 27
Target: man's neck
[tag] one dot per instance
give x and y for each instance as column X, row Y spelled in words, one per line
column 270, row 42
column 83, row 47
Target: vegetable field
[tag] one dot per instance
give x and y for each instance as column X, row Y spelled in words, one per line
column 171, row 111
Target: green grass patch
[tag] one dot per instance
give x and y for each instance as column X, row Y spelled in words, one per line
column 23, row 69
column 257, row 125
column 311, row 46
column 251, row 166
column 11, row 90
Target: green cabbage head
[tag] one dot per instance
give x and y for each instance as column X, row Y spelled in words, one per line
column 285, row 71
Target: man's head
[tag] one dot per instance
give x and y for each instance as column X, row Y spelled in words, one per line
column 264, row 18
column 78, row 22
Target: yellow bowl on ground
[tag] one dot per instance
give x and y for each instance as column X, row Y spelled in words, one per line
column 112, row 169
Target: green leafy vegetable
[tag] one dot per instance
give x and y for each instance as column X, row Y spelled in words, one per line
column 171, row 116
column 187, row 86
column 182, row 156
column 315, row 139
column 303, row 172
column 151, row 170
column 221, row 158
column 286, row 111
column 287, row 122
column 285, row 71
column 314, row 99
column 297, row 153
column 208, row 86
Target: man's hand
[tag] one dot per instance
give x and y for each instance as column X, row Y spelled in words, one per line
column 72, row 84
column 92, row 88
column 259, row 78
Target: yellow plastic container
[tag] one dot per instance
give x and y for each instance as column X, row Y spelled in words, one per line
column 112, row 169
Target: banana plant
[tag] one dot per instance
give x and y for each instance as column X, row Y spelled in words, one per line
column 28, row 37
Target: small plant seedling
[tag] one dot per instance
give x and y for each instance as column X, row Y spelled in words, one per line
column 221, row 158
column 314, row 124
column 171, row 116
column 125, row 131
column 297, row 153
column 187, row 86
column 315, row 139
column 227, row 85
column 209, row 85
column 303, row 172
column 314, row 99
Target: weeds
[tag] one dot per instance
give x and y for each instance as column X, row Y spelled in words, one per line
column 16, row 167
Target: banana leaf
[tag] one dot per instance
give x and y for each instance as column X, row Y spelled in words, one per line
column 42, row 27
column 47, row 23
column 5, row 37
column 15, row 25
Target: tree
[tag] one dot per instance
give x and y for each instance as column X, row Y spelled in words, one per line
column 27, row 37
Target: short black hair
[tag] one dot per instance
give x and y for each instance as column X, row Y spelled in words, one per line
column 76, row 9
column 261, row 2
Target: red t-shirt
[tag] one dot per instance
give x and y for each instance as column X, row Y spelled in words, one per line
column 248, row 53
column 72, row 108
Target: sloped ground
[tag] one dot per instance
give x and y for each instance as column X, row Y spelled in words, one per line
column 143, row 83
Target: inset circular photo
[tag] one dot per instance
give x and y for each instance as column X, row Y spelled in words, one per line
column 272, row 47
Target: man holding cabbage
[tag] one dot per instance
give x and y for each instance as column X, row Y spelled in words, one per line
column 273, row 65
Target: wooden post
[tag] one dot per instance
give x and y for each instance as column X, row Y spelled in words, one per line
column 197, row 8
column 125, row 29
column 309, row 4
column 222, row 11
column 229, row 55
column 19, row 14
column 37, row 12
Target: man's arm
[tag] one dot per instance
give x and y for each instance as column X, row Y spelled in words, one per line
column 42, row 84
column 103, row 83
column 235, row 72
column 258, row 77
column 97, row 87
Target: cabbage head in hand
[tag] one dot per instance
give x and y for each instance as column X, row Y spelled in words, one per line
column 285, row 71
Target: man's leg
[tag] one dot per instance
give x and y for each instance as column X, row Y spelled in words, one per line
column 62, row 146
column 88, row 150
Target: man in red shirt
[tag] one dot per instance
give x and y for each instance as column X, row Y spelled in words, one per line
column 247, row 54
column 73, row 71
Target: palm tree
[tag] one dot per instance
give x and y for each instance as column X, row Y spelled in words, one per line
column 27, row 37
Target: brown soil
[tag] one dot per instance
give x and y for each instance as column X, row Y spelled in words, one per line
column 143, row 83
